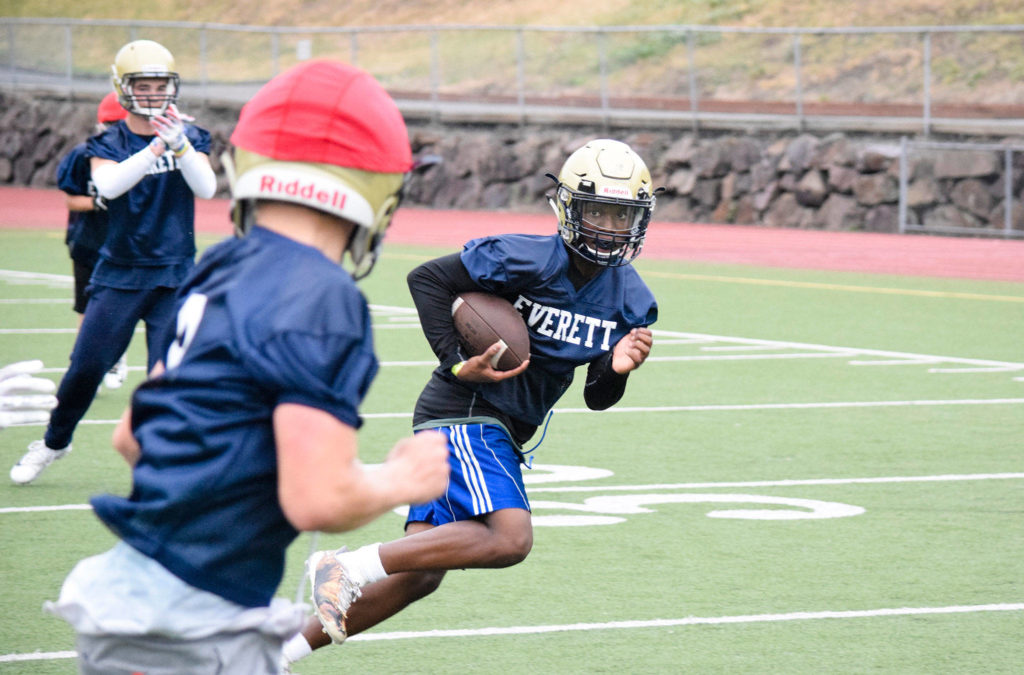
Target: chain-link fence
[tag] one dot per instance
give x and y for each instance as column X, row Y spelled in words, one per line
column 918, row 79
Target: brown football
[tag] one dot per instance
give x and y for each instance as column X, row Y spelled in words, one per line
column 482, row 319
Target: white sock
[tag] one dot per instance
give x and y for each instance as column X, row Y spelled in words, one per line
column 363, row 565
column 296, row 648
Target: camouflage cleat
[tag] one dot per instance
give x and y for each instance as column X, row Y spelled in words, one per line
column 333, row 592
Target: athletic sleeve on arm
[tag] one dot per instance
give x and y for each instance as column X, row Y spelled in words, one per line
column 113, row 180
column 198, row 174
column 604, row 387
column 433, row 285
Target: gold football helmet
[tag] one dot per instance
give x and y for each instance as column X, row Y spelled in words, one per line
column 144, row 59
column 604, row 202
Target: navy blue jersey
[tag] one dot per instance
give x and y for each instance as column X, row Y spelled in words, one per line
column 86, row 229
column 262, row 321
column 568, row 327
column 153, row 224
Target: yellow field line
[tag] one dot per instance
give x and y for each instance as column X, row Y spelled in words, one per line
column 835, row 287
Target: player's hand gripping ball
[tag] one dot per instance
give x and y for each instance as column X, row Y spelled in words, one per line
column 481, row 319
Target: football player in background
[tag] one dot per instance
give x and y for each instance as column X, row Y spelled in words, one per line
column 87, row 219
column 149, row 168
column 246, row 432
column 579, row 277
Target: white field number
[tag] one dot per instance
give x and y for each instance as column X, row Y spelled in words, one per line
column 610, row 509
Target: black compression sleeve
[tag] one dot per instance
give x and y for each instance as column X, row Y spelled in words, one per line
column 604, row 387
column 433, row 286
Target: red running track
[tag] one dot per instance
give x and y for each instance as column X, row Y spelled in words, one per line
column 912, row 255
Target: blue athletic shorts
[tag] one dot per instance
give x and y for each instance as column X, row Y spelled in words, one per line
column 485, row 476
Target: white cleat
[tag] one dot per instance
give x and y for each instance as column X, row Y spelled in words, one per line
column 333, row 592
column 34, row 461
column 115, row 376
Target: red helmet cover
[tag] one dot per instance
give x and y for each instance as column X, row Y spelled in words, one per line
column 110, row 109
column 329, row 113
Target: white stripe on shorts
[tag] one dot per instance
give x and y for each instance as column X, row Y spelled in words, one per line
column 475, row 480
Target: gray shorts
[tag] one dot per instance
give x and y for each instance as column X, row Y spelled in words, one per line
column 245, row 653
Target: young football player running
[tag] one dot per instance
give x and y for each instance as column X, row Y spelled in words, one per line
column 87, row 218
column 246, row 432
column 584, row 304
column 148, row 168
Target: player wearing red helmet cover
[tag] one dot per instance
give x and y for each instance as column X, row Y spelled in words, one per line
column 246, row 432
column 109, row 110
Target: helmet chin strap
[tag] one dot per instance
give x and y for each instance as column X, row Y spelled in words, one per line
column 241, row 209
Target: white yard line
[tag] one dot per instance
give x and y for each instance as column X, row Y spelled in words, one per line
column 752, row 357
column 636, row 624
column 891, row 356
column 697, row 408
column 693, row 621
column 796, row 406
column 36, row 278
column 40, row 509
column 942, row 478
column 734, row 348
column 783, row 483
column 390, row 317
column 38, row 331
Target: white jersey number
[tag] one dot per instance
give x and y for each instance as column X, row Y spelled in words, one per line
column 189, row 317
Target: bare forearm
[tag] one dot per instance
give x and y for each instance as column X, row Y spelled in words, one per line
column 195, row 168
column 322, row 485
column 124, row 440
column 370, row 493
column 80, row 203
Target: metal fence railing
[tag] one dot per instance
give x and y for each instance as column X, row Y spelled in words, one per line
column 912, row 79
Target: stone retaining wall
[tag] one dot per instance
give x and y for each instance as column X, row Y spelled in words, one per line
column 836, row 182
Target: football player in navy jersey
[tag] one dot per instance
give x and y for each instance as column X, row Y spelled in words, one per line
column 149, row 168
column 584, row 305
column 245, row 434
column 87, row 217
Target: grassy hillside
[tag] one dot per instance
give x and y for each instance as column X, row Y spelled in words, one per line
column 536, row 12
column 986, row 68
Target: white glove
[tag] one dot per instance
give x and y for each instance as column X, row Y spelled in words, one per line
column 171, row 129
column 25, row 399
